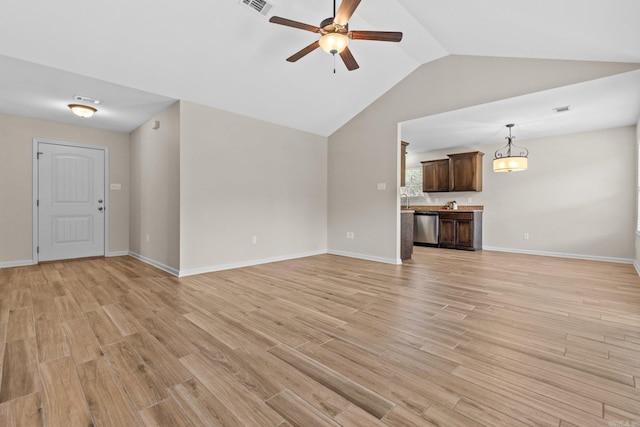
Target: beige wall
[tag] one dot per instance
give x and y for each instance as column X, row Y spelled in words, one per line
column 637, row 264
column 241, row 177
column 16, row 177
column 577, row 197
column 155, row 190
column 365, row 151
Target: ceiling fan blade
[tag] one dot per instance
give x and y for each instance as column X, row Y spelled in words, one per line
column 346, row 9
column 385, row 36
column 294, row 24
column 313, row 46
column 349, row 60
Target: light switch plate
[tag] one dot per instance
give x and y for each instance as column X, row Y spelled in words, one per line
column 382, row 186
column 116, row 187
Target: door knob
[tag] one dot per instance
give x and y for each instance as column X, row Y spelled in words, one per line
column 100, row 201
column 100, row 208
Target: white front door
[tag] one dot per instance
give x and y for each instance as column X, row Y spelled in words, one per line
column 71, row 202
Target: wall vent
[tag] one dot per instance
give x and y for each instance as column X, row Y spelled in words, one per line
column 260, row 6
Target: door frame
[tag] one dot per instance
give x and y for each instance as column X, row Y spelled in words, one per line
column 34, row 199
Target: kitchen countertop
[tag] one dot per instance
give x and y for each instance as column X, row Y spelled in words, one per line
column 439, row 208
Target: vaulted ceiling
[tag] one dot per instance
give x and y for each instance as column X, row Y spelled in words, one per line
column 139, row 56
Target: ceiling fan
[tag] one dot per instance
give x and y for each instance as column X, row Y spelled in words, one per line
column 336, row 34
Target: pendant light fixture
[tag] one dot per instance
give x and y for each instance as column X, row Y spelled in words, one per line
column 510, row 158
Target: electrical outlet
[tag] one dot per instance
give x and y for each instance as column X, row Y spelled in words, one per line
column 469, row 200
column 437, row 201
column 147, row 237
column 525, row 236
column 351, row 235
column 254, row 239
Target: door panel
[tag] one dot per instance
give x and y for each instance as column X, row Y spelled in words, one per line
column 71, row 202
column 447, row 232
column 464, row 233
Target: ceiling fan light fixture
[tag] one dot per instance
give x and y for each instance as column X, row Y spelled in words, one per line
column 82, row 111
column 334, row 42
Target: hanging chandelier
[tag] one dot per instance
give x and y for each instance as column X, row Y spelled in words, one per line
column 505, row 159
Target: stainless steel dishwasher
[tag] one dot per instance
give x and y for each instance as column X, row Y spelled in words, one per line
column 425, row 228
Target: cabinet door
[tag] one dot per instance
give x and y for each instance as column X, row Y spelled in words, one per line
column 465, row 172
column 442, row 175
column 435, row 176
column 464, row 233
column 406, row 235
column 447, row 232
column 403, row 162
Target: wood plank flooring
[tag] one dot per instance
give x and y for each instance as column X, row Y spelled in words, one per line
column 450, row 338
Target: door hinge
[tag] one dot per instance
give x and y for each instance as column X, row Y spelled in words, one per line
column 39, row 154
column 38, row 203
column 38, row 249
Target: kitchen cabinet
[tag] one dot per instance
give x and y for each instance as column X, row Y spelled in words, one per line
column 406, row 234
column 435, row 176
column 403, row 162
column 460, row 172
column 465, row 171
column 461, row 230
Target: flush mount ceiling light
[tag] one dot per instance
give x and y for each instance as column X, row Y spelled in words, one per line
column 82, row 111
column 504, row 159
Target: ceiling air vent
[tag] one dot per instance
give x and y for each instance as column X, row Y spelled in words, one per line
column 260, row 6
column 562, row 109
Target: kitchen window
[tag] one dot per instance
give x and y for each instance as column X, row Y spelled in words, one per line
column 413, row 181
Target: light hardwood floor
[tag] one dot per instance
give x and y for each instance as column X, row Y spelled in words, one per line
column 451, row 338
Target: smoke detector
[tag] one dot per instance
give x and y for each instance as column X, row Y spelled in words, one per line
column 86, row 99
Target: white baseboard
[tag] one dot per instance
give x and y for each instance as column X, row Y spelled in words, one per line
column 637, row 267
column 366, row 257
column 22, row 263
column 117, row 253
column 154, row 263
column 562, row 255
column 249, row 263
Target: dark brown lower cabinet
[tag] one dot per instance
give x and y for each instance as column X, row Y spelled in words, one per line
column 406, row 235
column 461, row 230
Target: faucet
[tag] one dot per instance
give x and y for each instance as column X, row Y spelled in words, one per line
column 407, row 196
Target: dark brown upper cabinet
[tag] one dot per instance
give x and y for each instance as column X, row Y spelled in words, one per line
column 465, row 171
column 460, row 172
column 403, row 162
column 435, row 176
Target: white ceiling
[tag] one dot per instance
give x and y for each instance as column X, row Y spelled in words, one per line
column 598, row 104
column 142, row 54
